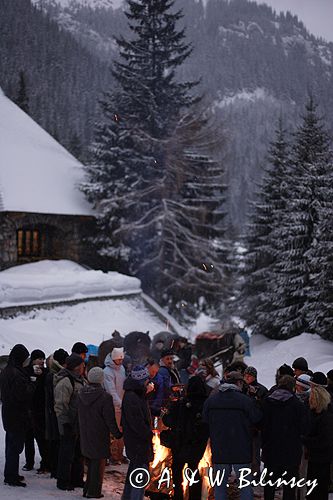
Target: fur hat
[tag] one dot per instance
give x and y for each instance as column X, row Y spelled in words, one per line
column 300, row 364
column 140, row 373
column 117, row 353
column 73, row 361
column 96, row 375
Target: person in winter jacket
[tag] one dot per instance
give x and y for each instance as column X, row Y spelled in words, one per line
column 36, row 429
column 96, row 419
column 231, row 416
column 56, row 363
column 303, row 387
column 189, row 435
column 136, row 424
column 114, row 378
column 300, row 367
column 81, row 349
column 253, row 387
column 284, row 423
column 17, row 390
column 319, row 442
column 166, row 377
column 67, row 383
column 209, row 375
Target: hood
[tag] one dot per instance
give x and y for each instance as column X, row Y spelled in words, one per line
column 110, row 363
column 18, row 355
column 54, row 365
column 131, row 384
column 89, row 394
column 280, row 396
column 63, row 373
column 229, row 387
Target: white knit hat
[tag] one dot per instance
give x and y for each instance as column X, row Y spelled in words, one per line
column 117, row 353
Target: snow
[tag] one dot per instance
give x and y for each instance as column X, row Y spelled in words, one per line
column 90, row 322
column 36, row 173
column 94, row 4
column 245, row 96
column 267, row 355
column 55, row 281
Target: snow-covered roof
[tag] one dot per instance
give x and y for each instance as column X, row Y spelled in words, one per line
column 36, row 173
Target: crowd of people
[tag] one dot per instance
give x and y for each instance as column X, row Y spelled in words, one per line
column 81, row 416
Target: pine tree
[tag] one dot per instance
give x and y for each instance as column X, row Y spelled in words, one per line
column 21, row 98
column 294, row 286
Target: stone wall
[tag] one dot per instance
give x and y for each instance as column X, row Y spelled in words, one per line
column 64, row 237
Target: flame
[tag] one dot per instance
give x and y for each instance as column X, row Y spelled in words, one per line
column 203, row 467
column 185, row 482
column 160, row 452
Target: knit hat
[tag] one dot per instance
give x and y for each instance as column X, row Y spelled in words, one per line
column 19, row 354
column 117, row 353
column 140, row 373
column 73, row 361
column 79, row 348
column 319, row 378
column 96, row 375
column 37, row 354
column 250, row 370
column 300, row 364
column 303, row 381
column 167, row 352
column 60, row 355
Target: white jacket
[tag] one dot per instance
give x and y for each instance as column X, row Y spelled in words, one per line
column 114, row 377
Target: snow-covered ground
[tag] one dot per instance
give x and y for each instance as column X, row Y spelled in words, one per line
column 267, row 355
column 89, row 322
column 60, row 280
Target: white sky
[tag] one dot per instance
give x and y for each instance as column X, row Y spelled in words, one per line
column 317, row 15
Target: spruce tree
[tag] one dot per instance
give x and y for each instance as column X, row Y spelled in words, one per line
column 256, row 301
column 21, row 98
column 296, row 267
column 151, row 208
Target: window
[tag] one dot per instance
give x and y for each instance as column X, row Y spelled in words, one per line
column 28, row 243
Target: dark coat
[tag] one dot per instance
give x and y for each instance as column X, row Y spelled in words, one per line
column 16, row 395
column 163, row 381
column 51, row 422
column 285, row 421
column 136, row 422
column 96, row 419
column 257, row 390
column 190, row 432
column 231, row 416
column 319, row 440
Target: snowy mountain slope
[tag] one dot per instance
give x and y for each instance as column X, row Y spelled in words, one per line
column 76, row 4
column 239, row 48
